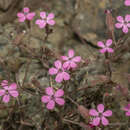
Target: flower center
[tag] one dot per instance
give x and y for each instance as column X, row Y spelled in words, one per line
column 25, row 13
column 6, row 92
column 125, row 22
column 52, row 97
column 100, row 114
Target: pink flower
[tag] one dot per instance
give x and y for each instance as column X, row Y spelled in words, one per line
column 100, row 115
column 59, row 70
column 127, row 109
column 70, row 60
column 8, row 90
column 123, row 23
column 127, row 2
column 45, row 20
column 25, row 15
column 106, row 47
column 52, row 97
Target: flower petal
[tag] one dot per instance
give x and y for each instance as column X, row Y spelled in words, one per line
column 58, row 64
column 59, row 93
column 43, row 15
column 127, row 2
column 22, row 19
column 6, row 98
column 107, row 113
column 108, row 42
column 59, row 78
column 100, row 108
column 71, row 53
column 50, row 16
column 110, row 50
column 14, row 93
column 125, row 29
column 30, row 16
column 49, row 91
column 66, row 64
column 101, row 44
column 4, row 83
column 64, row 57
column 20, row 14
column 41, row 23
column 26, row 10
column 66, row 76
column 119, row 25
column 60, row 101
column 12, row 86
column 128, row 25
column 96, row 121
column 103, row 50
column 127, row 18
column 38, row 21
column 53, row 71
column 127, row 113
column 127, row 107
column 51, row 22
column 76, row 59
column 120, row 19
column 6, row 87
column 73, row 65
column 50, row 105
column 45, row 99
column 104, row 121
column 2, row 92
column 93, row 112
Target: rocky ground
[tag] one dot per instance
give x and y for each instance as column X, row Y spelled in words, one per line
column 79, row 25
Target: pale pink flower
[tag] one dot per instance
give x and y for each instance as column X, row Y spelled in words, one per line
column 59, row 71
column 100, row 115
column 127, row 2
column 45, row 19
column 70, row 60
column 8, row 90
column 123, row 23
column 127, row 109
column 105, row 48
column 25, row 15
column 52, row 97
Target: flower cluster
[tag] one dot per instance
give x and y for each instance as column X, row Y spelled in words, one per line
column 70, row 60
column 8, row 90
column 123, row 23
column 27, row 15
column 105, row 47
column 45, row 20
column 60, row 70
column 53, row 97
column 100, row 115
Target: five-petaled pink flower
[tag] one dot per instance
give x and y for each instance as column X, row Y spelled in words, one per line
column 105, row 48
column 8, row 90
column 60, row 71
column 52, row 97
column 45, row 19
column 127, row 2
column 70, row 60
column 100, row 115
column 127, row 109
column 25, row 15
column 123, row 23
